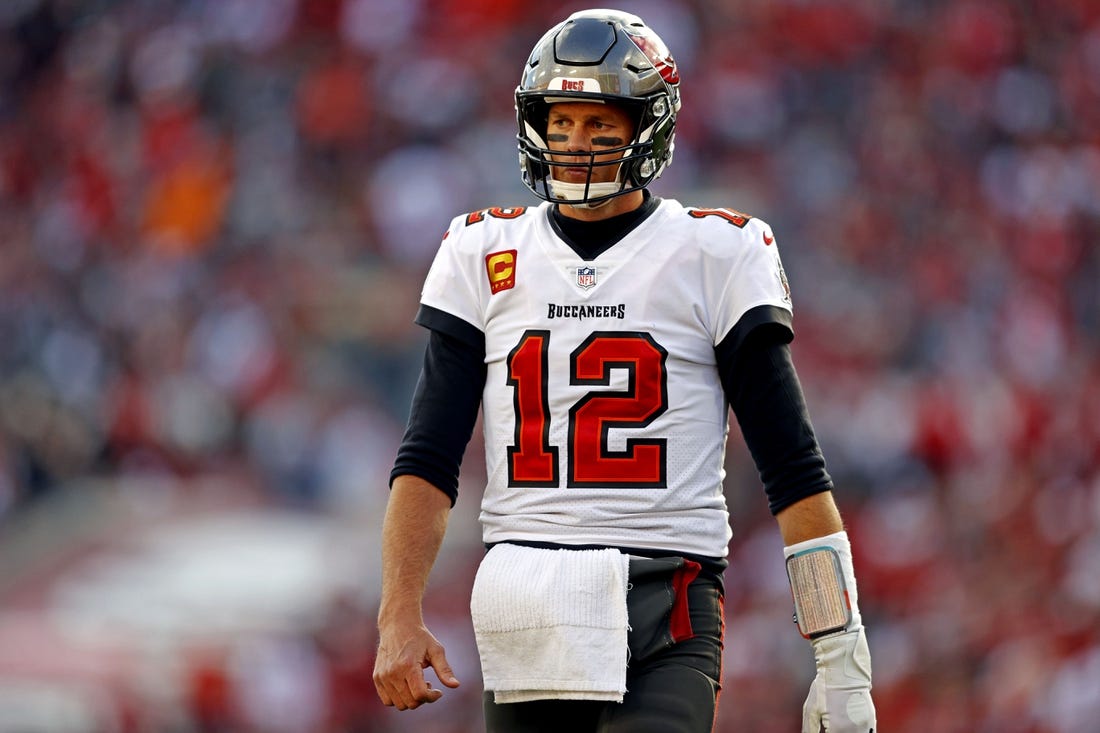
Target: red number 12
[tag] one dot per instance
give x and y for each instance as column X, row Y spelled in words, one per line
column 533, row 461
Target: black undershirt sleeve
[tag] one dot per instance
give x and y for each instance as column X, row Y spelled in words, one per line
column 766, row 396
column 445, row 403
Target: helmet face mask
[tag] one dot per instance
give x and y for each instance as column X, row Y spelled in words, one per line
column 608, row 57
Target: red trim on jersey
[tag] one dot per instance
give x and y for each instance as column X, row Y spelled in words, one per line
column 737, row 218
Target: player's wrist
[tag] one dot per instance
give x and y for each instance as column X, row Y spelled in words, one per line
column 823, row 586
column 400, row 615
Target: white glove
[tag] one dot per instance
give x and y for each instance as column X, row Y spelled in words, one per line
column 840, row 695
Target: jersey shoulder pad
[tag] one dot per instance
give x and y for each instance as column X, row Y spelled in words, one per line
column 724, row 226
column 732, row 217
column 484, row 227
column 496, row 213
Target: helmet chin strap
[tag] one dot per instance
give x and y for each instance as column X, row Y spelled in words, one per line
column 573, row 194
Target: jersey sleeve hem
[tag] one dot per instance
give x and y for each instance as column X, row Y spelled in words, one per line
column 444, row 322
column 755, row 317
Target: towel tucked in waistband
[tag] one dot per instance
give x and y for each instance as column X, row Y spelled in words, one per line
column 551, row 624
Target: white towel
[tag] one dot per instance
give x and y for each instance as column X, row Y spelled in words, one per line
column 551, row 624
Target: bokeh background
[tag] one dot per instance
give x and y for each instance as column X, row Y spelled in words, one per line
column 215, row 217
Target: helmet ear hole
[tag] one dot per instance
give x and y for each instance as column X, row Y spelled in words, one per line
column 533, row 114
column 602, row 56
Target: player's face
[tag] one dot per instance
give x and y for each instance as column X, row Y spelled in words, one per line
column 584, row 128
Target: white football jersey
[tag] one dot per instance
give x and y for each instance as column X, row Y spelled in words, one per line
column 604, row 417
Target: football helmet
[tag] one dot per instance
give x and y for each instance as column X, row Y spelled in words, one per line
column 603, row 56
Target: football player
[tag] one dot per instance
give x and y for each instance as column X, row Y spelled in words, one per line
column 605, row 334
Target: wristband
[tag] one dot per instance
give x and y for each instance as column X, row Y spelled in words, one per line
column 823, row 585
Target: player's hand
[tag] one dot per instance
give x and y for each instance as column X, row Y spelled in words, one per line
column 403, row 655
column 840, row 695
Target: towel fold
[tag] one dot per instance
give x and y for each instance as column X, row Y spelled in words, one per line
column 551, row 624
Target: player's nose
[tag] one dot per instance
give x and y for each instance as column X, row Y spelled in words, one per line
column 579, row 141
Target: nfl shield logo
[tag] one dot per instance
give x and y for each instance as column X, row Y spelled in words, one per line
column 586, row 277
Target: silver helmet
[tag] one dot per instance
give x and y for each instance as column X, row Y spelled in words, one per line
column 605, row 56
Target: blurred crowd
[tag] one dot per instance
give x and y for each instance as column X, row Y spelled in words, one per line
column 215, row 217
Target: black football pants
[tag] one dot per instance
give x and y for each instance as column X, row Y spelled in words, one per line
column 675, row 665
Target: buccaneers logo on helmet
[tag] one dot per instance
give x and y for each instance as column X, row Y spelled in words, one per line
column 658, row 54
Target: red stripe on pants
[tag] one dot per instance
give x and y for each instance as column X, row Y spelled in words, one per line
column 679, row 624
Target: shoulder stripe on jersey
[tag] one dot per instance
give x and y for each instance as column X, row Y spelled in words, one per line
column 737, row 218
column 476, row 217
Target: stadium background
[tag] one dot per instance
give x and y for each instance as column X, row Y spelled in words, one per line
column 215, row 216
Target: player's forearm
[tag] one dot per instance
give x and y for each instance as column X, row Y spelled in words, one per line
column 814, row 516
column 412, row 532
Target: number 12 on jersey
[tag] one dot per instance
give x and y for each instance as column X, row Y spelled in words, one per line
column 641, row 464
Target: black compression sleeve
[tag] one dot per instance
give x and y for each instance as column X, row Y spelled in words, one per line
column 443, row 414
column 763, row 389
